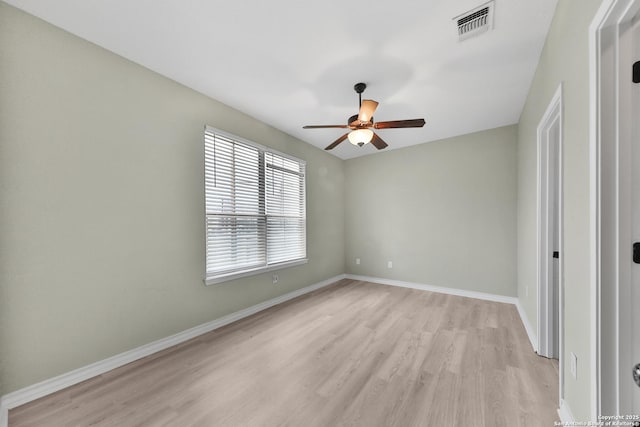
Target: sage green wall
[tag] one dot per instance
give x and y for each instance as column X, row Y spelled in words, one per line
column 443, row 212
column 564, row 59
column 101, row 212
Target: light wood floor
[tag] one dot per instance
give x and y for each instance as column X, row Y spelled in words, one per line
column 354, row 353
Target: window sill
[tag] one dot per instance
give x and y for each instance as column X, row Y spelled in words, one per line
column 213, row 280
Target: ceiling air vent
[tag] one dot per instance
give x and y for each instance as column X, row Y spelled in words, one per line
column 475, row 21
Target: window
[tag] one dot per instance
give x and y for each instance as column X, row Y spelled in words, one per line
column 255, row 208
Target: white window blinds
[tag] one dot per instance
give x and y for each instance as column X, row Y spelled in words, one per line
column 255, row 207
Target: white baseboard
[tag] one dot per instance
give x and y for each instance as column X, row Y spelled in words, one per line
column 533, row 338
column 41, row 389
column 566, row 417
column 438, row 289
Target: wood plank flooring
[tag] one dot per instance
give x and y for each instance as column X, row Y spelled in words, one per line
column 354, row 353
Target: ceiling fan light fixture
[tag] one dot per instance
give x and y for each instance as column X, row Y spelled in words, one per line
column 360, row 137
column 361, row 122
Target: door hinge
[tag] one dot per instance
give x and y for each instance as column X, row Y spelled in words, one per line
column 636, row 252
column 636, row 72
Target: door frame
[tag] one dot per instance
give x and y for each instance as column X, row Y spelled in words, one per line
column 610, row 143
column 553, row 116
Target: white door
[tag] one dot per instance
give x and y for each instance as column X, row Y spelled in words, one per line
column 549, row 134
column 635, row 189
column 617, row 208
column 554, row 159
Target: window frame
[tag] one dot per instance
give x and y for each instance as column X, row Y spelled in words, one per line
column 210, row 279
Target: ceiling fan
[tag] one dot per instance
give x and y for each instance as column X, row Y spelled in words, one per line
column 361, row 124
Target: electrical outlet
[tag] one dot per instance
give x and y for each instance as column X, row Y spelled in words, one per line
column 389, row 264
column 358, row 261
column 574, row 366
column 275, row 279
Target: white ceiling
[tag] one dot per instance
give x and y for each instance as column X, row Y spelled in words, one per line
column 293, row 62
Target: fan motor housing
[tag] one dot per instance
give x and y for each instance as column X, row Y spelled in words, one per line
column 355, row 118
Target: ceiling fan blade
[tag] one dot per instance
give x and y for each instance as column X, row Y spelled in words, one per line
column 367, row 109
column 378, row 142
column 324, row 126
column 336, row 142
column 415, row 123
